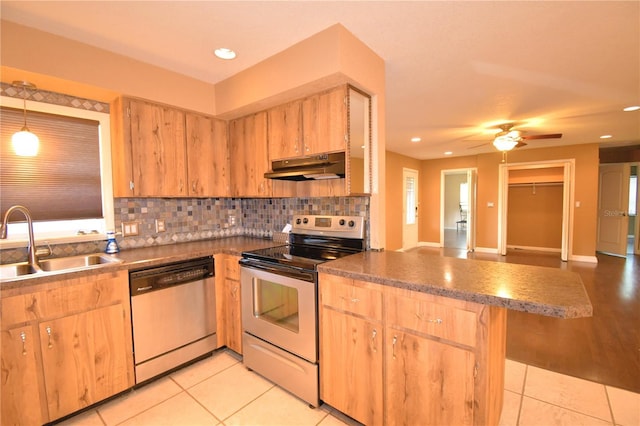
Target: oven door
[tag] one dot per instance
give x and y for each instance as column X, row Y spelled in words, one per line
column 281, row 310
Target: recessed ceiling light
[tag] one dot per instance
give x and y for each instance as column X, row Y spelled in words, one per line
column 448, row 153
column 224, row 53
column 606, row 137
column 415, row 139
column 632, row 108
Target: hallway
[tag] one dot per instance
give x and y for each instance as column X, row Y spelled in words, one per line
column 604, row 348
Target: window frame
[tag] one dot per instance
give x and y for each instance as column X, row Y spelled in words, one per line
column 66, row 231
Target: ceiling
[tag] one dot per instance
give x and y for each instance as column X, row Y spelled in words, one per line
column 453, row 68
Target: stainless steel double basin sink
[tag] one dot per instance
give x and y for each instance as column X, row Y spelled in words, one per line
column 61, row 264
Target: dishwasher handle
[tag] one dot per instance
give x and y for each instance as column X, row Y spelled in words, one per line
column 164, row 276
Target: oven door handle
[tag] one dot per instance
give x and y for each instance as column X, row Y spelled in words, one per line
column 287, row 271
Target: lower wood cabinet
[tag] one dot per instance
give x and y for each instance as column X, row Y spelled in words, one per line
column 393, row 356
column 65, row 346
column 228, row 303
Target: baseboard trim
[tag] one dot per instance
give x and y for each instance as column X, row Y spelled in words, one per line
column 586, row 259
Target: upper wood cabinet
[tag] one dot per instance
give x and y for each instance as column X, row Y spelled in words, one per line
column 160, row 151
column 157, row 150
column 314, row 125
column 249, row 157
column 207, row 156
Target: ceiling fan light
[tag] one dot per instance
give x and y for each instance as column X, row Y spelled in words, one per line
column 25, row 143
column 505, row 143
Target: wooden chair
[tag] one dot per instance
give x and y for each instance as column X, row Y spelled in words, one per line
column 463, row 219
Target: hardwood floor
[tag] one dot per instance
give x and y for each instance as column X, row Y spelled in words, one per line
column 604, row 348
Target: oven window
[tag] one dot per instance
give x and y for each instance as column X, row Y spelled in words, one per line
column 276, row 303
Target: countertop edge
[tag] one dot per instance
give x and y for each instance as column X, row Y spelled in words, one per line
column 557, row 311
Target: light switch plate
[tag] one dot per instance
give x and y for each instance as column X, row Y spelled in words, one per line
column 129, row 229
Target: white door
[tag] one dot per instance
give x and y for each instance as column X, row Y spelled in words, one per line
column 409, row 209
column 613, row 202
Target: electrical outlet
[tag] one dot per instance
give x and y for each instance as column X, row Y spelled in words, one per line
column 232, row 220
column 160, row 225
column 129, row 229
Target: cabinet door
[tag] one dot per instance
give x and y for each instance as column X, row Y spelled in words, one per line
column 207, row 156
column 21, row 404
column 249, row 156
column 233, row 304
column 324, row 122
column 427, row 382
column 158, row 150
column 285, row 131
column 84, row 358
column 351, row 366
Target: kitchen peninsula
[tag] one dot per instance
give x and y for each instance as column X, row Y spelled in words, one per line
column 408, row 338
column 404, row 337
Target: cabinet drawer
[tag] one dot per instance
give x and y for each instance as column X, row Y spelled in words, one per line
column 432, row 316
column 352, row 296
column 70, row 295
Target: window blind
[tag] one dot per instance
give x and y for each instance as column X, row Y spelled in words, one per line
column 63, row 181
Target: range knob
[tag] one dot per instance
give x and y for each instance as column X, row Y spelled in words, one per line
column 351, row 224
column 305, row 220
column 342, row 222
column 298, row 221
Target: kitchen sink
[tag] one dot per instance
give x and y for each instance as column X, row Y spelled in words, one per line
column 14, row 270
column 75, row 262
column 61, row 264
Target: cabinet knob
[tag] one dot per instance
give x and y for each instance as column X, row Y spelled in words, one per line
column 374, row 333
column 393, row 346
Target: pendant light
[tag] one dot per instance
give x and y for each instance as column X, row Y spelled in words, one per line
column 25, row 143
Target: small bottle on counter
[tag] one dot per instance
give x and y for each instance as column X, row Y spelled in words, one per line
column 112, row 245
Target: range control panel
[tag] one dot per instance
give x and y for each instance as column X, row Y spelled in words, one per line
column 338, row 226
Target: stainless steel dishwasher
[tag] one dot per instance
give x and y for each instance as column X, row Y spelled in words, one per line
column 173, row 311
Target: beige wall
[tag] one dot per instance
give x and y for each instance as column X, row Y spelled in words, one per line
column 65, row 66
column 586, row 183
column 394, row 166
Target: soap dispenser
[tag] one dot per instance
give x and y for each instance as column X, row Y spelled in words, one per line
column 112, row 244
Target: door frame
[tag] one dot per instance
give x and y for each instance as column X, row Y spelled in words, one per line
column 472, row 173
column 568, row 192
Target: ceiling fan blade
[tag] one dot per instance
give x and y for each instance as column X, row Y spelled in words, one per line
column 520, row 144
column 549, row 136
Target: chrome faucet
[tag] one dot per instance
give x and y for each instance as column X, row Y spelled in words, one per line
column 31, row 250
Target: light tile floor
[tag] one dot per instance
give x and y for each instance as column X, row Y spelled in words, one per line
column 220, row 391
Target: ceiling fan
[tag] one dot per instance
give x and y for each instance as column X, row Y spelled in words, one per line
column 509, row 138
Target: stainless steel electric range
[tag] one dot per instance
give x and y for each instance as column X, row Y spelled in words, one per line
column 280, row 300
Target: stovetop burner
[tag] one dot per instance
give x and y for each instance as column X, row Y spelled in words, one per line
column 305, row 257
column 314, row 240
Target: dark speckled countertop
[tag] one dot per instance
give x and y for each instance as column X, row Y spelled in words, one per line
column 534, row 289
column 545, row 291
column 141, row 258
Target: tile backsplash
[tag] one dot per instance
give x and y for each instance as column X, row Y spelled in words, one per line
column 198, row 219
column 192, row 219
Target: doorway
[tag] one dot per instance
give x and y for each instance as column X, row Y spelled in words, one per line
column 554, row 173
column 457, row 209
column 410, row 206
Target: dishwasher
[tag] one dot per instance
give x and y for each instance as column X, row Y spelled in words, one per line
column 173, row 314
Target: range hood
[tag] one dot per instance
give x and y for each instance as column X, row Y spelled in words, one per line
column 321, row 166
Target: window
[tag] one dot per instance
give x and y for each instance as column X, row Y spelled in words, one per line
column 67, row 187
column 411, row 196
column 633, row 192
